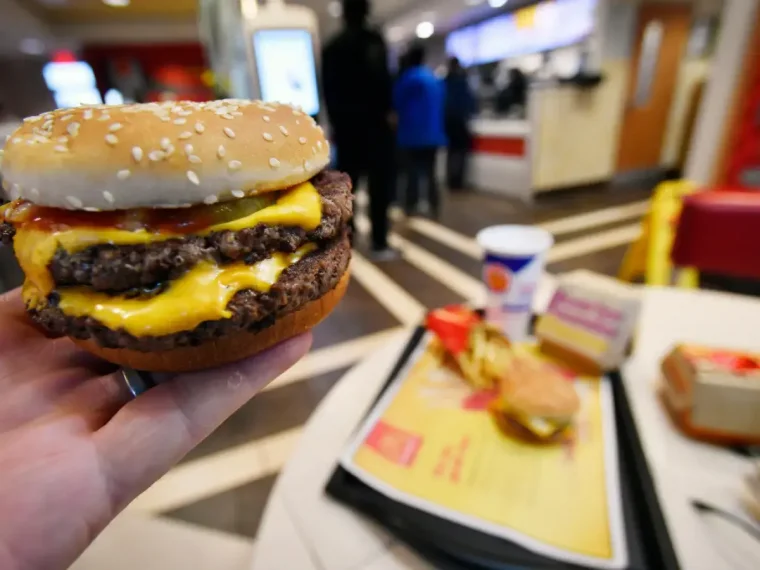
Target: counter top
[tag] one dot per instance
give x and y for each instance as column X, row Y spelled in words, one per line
column 500, row 127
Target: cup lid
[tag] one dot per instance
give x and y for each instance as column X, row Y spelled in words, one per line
column 515, row 240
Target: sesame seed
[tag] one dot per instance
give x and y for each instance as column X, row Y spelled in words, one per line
column 228, row 116
column 268, row 137
column 166, row 119
column 87, row 115
column 112, row 139
column 319, row 145
column 221, row 151
column 165, row 143
column 188, row 149
column 16, row 140
column 185, row 113
column 104, row 117
column 229, row 132
column 306, row 165
column 74, row 201
column 169, row 150
column 137, row 153
column 298, row 122
column 302, row 140
column 236, row 113
column 266, row 118
column 238, row 193
column 210, row 200
column 274, row 163
column 67, row 118
column 194, row 158
column 234, row 164
column 199, row 128
column 73, row 129
column 284, row 131
column 185, row 135
column 123, row 174
column 62, row 139
column 180, row 121
column 60, row 148
column 47, row 125
column 193, row 177
column 115, row 127
column 109, row 197
column 156, row 155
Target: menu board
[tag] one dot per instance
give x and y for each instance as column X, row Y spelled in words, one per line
column 539, row 28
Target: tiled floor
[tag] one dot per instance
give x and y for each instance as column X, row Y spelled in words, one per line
column 223, row 485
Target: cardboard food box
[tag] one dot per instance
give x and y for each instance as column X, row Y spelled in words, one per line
column 713, row 394
column 588, row 327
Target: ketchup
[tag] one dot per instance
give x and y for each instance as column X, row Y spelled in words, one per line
column 171, row 221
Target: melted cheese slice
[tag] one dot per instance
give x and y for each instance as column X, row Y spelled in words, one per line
column 301, row 207
column 200, row 295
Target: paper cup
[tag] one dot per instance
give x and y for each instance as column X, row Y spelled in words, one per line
column 514, row 260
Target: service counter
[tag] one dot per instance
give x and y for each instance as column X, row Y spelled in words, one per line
column 568, row 139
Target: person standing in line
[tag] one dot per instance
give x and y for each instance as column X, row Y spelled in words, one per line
column 460, row 108
column 358, row 94
column 418, row 97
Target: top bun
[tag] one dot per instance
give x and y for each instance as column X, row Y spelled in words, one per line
column 543, row 392
column 163, row 155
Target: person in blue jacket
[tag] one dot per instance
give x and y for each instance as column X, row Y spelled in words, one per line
column 418, row 97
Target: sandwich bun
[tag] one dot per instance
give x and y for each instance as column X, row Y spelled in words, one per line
column 227, row 349
column 161, row 155
column 548, row 395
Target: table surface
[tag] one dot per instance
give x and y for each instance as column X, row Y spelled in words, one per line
column 304, row 529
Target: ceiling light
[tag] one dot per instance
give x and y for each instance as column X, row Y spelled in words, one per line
column 497, row 3
column 32, row 46
column 425, row 30
column 116, row 3
column 335, row 9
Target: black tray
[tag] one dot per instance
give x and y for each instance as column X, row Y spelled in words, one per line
column 450, row 546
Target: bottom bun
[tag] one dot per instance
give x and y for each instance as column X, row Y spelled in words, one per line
column 231, row 348
column 511, row 427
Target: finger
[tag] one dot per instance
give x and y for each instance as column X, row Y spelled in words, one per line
column 96, row 400
column 152, row 433
column 39, row 362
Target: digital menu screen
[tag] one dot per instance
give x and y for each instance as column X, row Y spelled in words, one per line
column 286, row 68
column 546, row 26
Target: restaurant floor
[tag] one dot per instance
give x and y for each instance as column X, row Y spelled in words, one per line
column 205, row 513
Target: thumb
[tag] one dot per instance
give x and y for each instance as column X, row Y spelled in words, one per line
column 153, row 432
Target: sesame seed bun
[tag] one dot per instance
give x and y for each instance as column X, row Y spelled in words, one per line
column 161, row 155
column 548, row 395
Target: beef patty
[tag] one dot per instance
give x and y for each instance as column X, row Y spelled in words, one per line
column 112, row 268
column 306, row 281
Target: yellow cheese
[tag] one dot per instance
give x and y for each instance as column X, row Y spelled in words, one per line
column 200, row 295
column 301, row 207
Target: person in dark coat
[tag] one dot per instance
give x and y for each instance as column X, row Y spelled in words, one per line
column 358, row 93
column 460, row 108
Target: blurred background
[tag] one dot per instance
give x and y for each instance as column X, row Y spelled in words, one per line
column 564, row 114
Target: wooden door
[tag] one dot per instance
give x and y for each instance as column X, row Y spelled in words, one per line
column 661, row 38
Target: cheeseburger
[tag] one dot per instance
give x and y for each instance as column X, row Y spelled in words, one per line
column 176, row 236
column 536, row 404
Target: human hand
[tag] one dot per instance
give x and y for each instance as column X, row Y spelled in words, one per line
column 75, row 449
